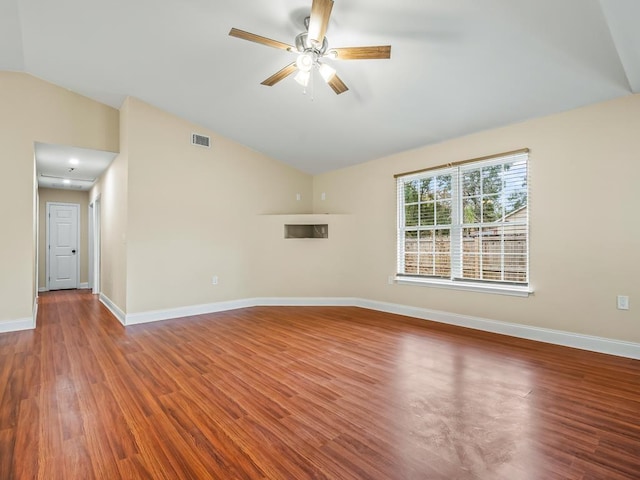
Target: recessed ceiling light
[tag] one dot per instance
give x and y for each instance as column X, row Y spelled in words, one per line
column 66, row 181
column 74, row 161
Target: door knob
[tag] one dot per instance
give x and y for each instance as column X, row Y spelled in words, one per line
column 73, row 251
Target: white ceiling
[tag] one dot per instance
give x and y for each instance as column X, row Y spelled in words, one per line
column 456, row 67
column 69, row 168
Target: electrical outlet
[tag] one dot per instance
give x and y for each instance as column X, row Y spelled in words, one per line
column 623, row 302
column 391, row 279
column 323, row 196
column 214, row 280
column 298, row 196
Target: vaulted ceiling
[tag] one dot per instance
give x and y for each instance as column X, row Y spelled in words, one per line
column 456, row 67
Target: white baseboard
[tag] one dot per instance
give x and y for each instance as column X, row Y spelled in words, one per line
column 26, row 323
column 113, row 308
column 557, row 337
column 305, row 301
column 546, row 335
column 35, row 312
column 42, row 289
column 157, row 315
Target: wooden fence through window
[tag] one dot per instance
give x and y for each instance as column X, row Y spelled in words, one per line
column 482, row 257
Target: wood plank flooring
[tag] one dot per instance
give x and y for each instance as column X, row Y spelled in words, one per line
column 305, row 393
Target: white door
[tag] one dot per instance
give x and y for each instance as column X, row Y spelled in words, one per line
column 63, row 257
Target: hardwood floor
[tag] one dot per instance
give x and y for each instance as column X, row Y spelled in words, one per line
column 305, row 392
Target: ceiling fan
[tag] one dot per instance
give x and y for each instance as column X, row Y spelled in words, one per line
column 312, row 46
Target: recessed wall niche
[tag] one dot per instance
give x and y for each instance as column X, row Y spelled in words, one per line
column 320, row 230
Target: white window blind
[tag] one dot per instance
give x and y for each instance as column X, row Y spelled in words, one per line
column 466, row 223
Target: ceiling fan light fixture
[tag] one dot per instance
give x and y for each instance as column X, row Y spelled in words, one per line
column 311, row 46
column 305, row 62
column 303, row 77
column 326, row 72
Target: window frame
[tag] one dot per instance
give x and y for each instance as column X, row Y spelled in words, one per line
column 455, row 279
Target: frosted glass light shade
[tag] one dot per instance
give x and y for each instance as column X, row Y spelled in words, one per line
column 326, row 72
column 304, row 62
column 303, row 78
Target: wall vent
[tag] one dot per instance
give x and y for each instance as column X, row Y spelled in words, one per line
column 200, row 140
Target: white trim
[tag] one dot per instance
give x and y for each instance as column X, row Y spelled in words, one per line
column 500, row 289
column 172, row 313
column 35, row 312
column 90, row 245
column 42, row 289
column 546, row 335
column 95, row 245
column 26, row 323
column 36, row 227
column 47, row 247
column 158, row 315
column 557, row 337
column 113, row 308
column 306, row 301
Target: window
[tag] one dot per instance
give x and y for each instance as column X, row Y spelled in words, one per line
column 466, row 223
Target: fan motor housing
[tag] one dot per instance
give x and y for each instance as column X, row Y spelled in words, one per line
column 303, row 44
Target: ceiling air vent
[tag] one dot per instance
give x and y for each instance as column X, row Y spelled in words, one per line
column 200, row 140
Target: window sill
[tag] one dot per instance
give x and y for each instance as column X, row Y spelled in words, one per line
column 513, row 290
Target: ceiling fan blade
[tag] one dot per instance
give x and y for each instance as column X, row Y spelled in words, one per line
column 252, row 37
column 337, row 85
column 280, row 75
column 363, row 53
column 319, row 20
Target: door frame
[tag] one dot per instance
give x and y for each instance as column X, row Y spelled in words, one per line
column 48, row 243
column 94, row 245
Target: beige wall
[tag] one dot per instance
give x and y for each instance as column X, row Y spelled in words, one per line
column 194, row 212
column 111, row 191
column 63, row 196
column 33, row 110
column 585, row 236
column 307, row 267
